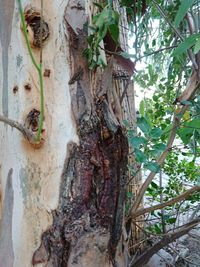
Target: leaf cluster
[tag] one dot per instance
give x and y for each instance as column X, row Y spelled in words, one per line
column 104, row 22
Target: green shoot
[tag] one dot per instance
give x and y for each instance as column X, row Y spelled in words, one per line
column 39, row 70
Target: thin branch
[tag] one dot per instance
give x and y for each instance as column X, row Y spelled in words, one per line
column 161, row 202
column 190, row 54
column 188, row 94
column 194, row 212
column 190, row 22
column 160, row 161
column 41, row 118
column 167, row 203
column 182, row 257
column 156, row 52
column 26, row 35
column 146, row 55
column 125, row 90
column 41, row 31
column 167, row 239
column 26, row 132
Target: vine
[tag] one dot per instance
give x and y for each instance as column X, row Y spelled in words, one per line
column 38, row 67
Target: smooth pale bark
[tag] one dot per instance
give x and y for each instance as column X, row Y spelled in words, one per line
column 30, row 178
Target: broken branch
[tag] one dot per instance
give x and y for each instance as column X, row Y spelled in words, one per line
column 26, row 132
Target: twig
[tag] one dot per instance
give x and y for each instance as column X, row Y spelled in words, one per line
column 26, row 132
column 194, row 213
column 190, row 22
column 125, row 90
column 139, row 58
column 41, row 118
column 165, row 204
column 26, row 36
column 160, row 161
column 167, row 239
column 187, row 94
column 182, row 257
column 161, row 202
column 156, row 52
column 162, row 12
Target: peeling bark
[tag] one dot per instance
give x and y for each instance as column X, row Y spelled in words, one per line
column 88, row 221
column 96, row 198
column 94, row 204
column 80, row 224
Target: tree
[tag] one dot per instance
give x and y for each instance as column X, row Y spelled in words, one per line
column 66, row 78
column 62, row 181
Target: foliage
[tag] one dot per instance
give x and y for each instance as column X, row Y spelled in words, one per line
column 146, row 145
column 166, row 45
column 104, row 22
column 167, row 80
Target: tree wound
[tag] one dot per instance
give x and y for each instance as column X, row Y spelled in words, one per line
column 34, row 23
column 32, row 120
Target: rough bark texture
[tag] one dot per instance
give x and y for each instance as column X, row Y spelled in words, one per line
column 87, row 194
column 88, row 222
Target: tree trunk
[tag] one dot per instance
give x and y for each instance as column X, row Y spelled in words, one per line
column 62, row 203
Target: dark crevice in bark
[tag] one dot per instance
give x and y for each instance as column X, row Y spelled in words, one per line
column 92, row 190
column 95, row 199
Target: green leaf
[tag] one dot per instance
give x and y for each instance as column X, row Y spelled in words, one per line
column 137, row 141
column 157, row 229
column 184, row 6
column 197, row 46
column 167, row 130
column 154, row 185
column 140, row 156
column 152, row 166
column 114, row 32
column 171, row 220
column 157, row 149
column 144, row 125
column 186, row 132
column 160, row 147
column 98, row 5
column 195, row 124
column 115, row 16
column 101, row 34
column 129, row 194
column 186, row 44
column 155, row 133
